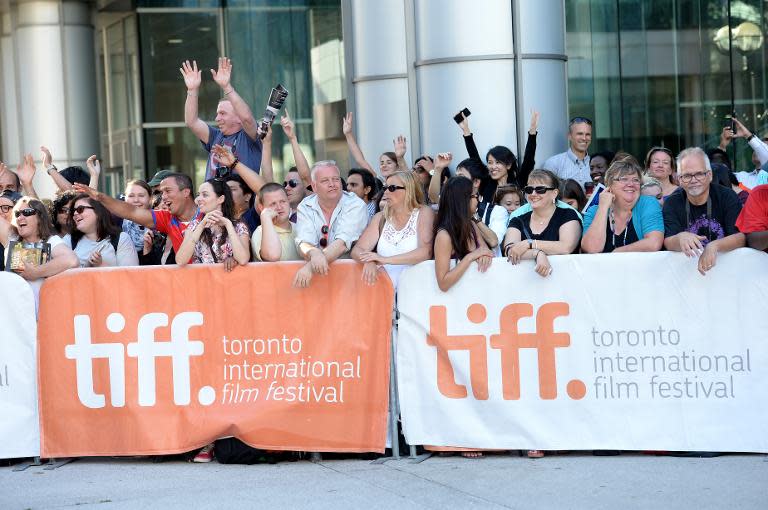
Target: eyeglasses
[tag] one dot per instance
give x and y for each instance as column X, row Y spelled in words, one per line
column 580, row 120
column 5, row 208
column 221, row 172
column 392, row 188
column 26, row 212
column 628, row 180
column 539, row 190
column 699, row 176
column 292, row 183
column 81, row 208
column 324, row 239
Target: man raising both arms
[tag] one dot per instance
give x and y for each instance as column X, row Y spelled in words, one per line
column 235, row 128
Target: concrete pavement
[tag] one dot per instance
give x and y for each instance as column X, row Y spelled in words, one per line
column 576, row 480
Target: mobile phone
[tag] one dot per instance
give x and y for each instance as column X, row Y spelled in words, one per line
column 463, row 114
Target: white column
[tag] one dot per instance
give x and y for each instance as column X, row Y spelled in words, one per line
column 465, row 58
column 8, row 127
column 428, row 59
column 542, row 78
column 52, row 56
column 379, row 74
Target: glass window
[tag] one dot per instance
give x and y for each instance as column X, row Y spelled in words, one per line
column 167, row 39
column 175, row 149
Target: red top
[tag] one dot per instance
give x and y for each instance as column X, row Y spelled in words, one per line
column 754, row 215
column 171, row 225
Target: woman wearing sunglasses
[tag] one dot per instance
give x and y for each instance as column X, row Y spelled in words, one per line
column 217, row 235
column 400, row 235
column 96, row 241
column 624, row 220
column 660, row 164
column 30, row 223
column 544, row 230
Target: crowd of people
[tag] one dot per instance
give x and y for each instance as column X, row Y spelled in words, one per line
column 392, row 215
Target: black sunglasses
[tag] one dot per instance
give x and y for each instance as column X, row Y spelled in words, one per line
column 26, row 212
column 324, row 239
column 221, row 172
column 81, row 208
column 392, row 188
column 539, row 190
column 292, row 183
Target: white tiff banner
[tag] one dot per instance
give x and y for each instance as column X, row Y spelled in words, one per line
column 620, row 351
column 19, row 426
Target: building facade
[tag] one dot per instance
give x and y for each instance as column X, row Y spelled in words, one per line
column 103, row 78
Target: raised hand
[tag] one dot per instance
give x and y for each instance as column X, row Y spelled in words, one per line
column 224, row 155
column 400, row 146
column 346, row 124
column 94, row 167
column 26, row 169
column 533, row 129
column 289, row 128
column 82, row 188
column 442, row 160
column 268, row 215
column 46, row 156
column 464, row 125
column 741, row 131
column 606, row 200
column 192, row 76
column 223, row 74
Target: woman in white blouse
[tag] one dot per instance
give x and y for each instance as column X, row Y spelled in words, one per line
column 401, row 234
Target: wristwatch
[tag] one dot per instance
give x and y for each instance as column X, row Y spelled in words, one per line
column 50, row 167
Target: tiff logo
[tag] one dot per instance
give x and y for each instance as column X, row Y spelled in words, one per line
column 509, row 341
column 180, row 348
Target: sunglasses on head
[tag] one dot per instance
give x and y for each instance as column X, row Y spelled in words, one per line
column 26, row 212
column 580, row 120
column 290, row 183
column 324, row 239
column 539, row 190
column 392, row 188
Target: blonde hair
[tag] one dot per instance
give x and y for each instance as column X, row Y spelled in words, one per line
column 414, row 194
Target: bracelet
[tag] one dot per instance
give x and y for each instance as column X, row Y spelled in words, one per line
column 507, row 247
column 229, row 92
column 234, row 164
column 190, row 93
column 536, row 257
column 751, row 137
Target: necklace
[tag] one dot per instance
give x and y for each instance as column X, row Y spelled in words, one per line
column 614, row 237
column 543, row 220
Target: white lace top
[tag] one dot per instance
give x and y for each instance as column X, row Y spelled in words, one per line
column 396, row 242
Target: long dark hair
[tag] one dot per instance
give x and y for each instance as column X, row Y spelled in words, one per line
column 220, row 188
column 104, row 226
column 453, row 214
column 507, row 158
column 55, row 208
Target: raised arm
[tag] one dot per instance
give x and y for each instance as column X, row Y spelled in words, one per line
column 529, row 159
column 26, row 172
column 354, row 149
column 223, row 76
column 757, row 145
column 267, row 172
column 94, row 170
column 192, row 79
column 442, row 161
column 60, row 181
column 469, row 140
column 118, row 207
column 400, row 148
column 289, row 128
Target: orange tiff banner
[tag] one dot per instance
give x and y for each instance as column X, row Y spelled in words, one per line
column 159, row 360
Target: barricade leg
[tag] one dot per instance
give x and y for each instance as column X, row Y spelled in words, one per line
column 57, row 463
column 26, row 465
column 394, row 406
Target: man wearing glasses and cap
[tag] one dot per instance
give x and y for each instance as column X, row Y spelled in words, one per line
column 329, row 222
column 700, row 221
column 574, row 163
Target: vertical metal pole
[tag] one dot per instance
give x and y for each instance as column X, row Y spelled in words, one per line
column 393, row 404
column 730, row 73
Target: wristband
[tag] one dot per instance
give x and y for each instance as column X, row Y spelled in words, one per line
column 234, row 164
column 750, row 137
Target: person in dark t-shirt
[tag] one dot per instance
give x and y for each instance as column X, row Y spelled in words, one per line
column 700, row 221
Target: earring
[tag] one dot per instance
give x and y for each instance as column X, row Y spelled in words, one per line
column 554, row 200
